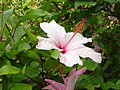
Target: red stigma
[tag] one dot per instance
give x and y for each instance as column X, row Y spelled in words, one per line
column 80, row 25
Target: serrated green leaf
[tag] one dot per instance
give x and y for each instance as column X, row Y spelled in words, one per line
column 21, row 86
column 8, row 69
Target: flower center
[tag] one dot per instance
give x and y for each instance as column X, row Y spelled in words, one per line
column 79, row 26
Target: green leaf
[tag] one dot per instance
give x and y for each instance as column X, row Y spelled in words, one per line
column 107, row 86
column 117, row 85
column 23, row 70
column 21, row 86
column 35, row 13
column 112, row 1
column 89, row 3
column 7, row 69
column 29, row 55
column 34, row 64
column 101, row 30
column 32, row 71
column 50, row 64
column 19, row 33
column 4, row 62
column 59, row 0
column 24, row 46
column 31, row 36
column 55, row 54
column 109, row 62
column 12, row 53
column 0, row 86
column 18, row 77
column 13, row 21
column 6, row 16
column 89, row 64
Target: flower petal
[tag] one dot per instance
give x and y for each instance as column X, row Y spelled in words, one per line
column 56, row 85
column 49, row 87
column 71, row 82
column 70, row 58
column 88, row 52
column 77, row 40
column 80, row 72
column 46, row 44
column 53, row 30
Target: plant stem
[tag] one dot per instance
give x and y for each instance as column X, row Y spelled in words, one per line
column 61, row 73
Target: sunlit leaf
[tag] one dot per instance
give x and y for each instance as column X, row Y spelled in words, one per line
column 55, row 54
column 7, row 69
column 21, row 86
column 24, row 69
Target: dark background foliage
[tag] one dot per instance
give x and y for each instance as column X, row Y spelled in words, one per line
column 23, row 67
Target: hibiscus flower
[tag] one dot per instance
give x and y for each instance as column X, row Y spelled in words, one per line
column 70, row 45
column 69, row 82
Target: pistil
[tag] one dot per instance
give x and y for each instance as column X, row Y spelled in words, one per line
column 79, row 26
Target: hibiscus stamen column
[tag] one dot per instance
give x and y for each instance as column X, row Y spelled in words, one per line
column 79, row 26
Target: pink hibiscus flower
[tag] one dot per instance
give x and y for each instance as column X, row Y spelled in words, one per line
column 70, row 45
column 69, row 82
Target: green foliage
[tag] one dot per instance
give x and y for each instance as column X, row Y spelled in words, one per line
column 23, row 67
column 7, row 69
column 21, row 86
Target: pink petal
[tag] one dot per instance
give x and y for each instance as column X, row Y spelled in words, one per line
column 54, row 31
column 46, row 44
column 88, row 52
column 80, row 72
column 56, row 85
column 49, row 87
column 70, row 58
column 71, row 82
column 77, row 40
column 70, row 74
